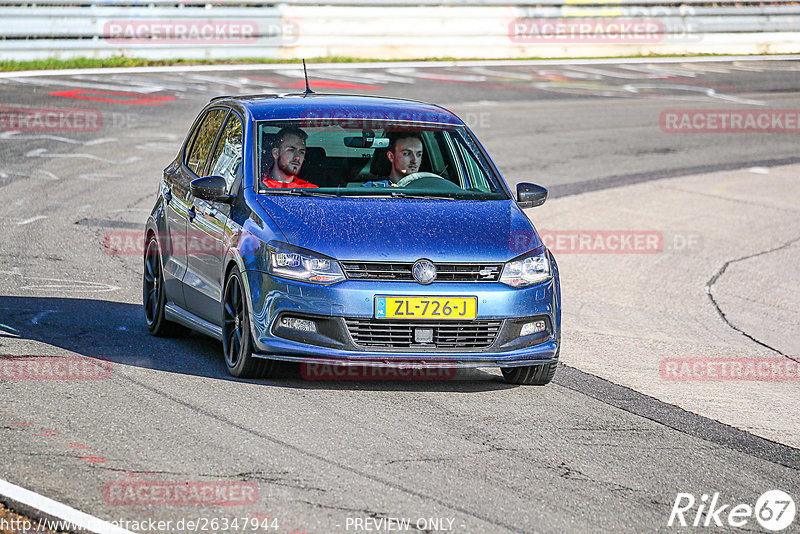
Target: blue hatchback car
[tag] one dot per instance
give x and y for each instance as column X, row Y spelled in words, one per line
column 349, row 230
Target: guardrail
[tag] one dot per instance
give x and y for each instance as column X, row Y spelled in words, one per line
column 392, row 29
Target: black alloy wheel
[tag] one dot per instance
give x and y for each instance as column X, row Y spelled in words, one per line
column 236, row 341
column 153, row 295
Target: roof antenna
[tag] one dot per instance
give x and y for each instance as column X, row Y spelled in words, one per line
column 308, row 90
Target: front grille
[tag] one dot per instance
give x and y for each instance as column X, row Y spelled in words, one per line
column 400, row 334
column 445, row 272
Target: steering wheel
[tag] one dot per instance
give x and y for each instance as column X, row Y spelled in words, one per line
column 426, row 180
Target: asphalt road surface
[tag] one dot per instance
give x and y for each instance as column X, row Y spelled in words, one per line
column 469, row 454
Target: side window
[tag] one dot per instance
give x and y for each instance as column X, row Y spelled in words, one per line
column 440, row 152
column 227, row 158
column 203, row 139
column 190, row 142
column 474, row 173
column 476, row 177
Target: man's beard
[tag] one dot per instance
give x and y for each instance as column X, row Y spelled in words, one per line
column 285, row 167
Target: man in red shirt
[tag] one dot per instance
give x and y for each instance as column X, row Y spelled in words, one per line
column 288, row 153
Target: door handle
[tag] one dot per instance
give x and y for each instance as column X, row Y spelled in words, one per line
column 192, row 214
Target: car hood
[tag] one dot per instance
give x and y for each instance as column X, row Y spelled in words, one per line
column 381, row 229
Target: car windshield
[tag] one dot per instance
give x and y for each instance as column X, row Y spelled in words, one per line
column 393, row 159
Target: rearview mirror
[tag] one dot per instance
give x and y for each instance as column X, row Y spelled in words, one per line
column 211, row 188
column 367, row 140
column 530, row 195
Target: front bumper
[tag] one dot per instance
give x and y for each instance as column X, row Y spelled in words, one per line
column 547, row 354
column 332, row 306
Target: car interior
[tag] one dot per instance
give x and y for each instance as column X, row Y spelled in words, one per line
column 338, row 157
column 343, row 170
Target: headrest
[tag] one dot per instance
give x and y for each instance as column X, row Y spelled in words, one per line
column 266, row 152
column 314, row 154
column 380, row 164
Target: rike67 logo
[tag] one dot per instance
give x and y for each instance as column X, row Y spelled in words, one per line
column 774, row 511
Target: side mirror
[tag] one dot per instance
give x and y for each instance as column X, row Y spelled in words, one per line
column 211, row 188
column 530, row 195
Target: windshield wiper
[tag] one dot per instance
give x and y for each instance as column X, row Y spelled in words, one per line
column 302, row 192
column 402, row 194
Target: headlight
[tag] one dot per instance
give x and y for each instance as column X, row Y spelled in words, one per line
column 527, row 270
column 299, row 264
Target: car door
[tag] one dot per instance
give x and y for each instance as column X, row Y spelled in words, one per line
column 194, row 158
column 206, row 229
column 174, row 192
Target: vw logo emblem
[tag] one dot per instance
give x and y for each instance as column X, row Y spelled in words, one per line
column 424, row 271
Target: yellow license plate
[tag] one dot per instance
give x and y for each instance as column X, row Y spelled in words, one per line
column 426, row 307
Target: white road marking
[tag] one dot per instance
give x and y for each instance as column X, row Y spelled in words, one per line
column 44, row 153
column 372, row 77
column 384, row 65
column 437, row 76
column 32, row 219
column 49, row 174
column 16, row 135
column 93, row 86
column 511, row 75
column 67, row 285
column 99, row 177
column 615, row 74
column 661, row 71
column 158, row 146
column 258, row 83
column 79, row 286
column 704, row 69
column 217, row 80
column 81, row 520
column 711, row 93
column 149, row 135
column 3, row 330
column 131, row 84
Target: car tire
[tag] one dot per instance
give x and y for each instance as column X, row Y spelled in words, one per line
column 153, row 294
column 533, row 375
column 530, row 375
column 237, row 345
